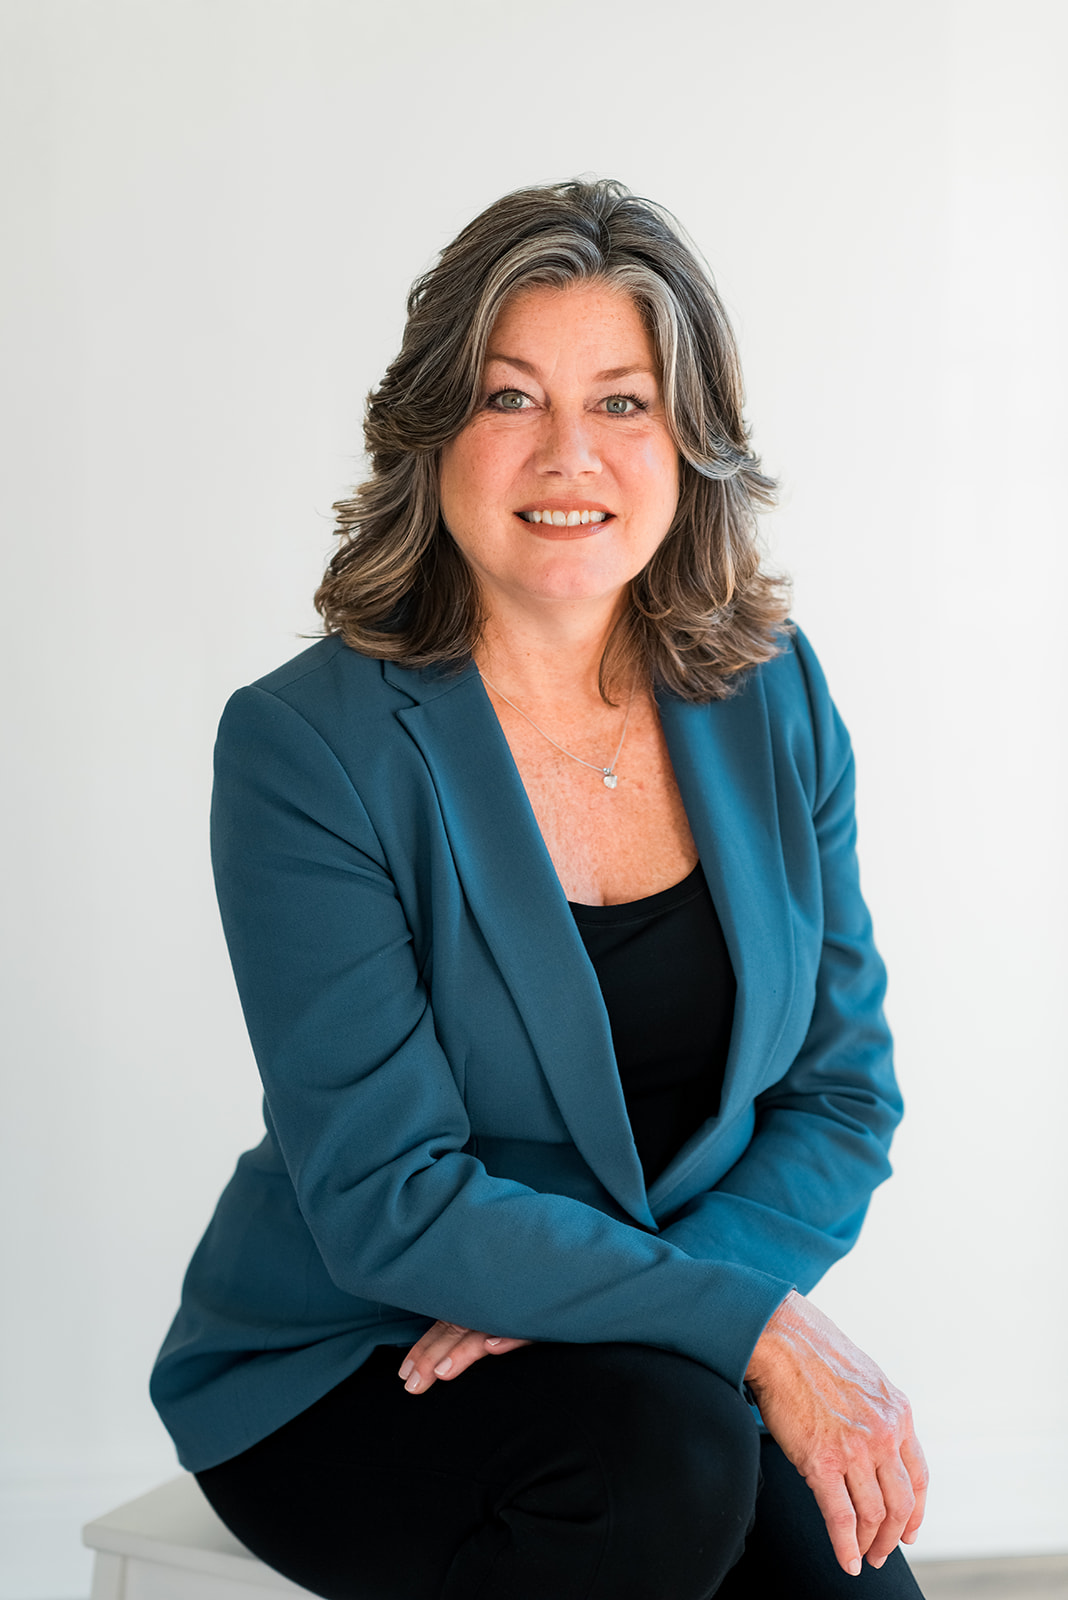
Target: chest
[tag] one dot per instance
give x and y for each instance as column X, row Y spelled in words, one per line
column 486, row 831
column 608, row 845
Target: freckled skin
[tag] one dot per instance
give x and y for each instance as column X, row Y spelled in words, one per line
column 566, row 447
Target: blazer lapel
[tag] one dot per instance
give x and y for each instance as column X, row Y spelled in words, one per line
column 723, row 761
column 497, row 846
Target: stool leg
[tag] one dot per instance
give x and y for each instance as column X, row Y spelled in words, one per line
column 109, row 1576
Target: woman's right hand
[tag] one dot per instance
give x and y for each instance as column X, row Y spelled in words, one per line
column 846, row 1429
column 446, row 1350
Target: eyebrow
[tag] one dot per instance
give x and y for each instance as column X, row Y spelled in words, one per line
column 610, row 375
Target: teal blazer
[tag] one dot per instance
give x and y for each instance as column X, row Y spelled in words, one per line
column 446, row 1135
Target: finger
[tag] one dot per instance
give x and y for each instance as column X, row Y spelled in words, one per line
column 438, row 1338
column 436, row 1332
column 837, row 1510
column 417, row 1369
column 445, row 1351
column 916, row 1466
column 496, row 1346
column 869, row 1506
column 899, row 1500
column 463, row 1354
column 471, row 1348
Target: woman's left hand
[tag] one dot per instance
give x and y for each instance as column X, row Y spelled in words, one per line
column 446, row 1350
column 846, row 1429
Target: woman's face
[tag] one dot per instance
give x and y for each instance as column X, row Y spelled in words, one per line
column 565, row 481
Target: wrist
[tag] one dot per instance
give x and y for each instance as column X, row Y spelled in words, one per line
column 768, row 1347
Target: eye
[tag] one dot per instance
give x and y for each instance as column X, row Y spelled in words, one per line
column 624, row 405
column 508, row 400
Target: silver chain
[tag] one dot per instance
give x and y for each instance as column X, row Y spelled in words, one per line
column 608, row 773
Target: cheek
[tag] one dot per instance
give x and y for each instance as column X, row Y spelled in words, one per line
column 658, row 468
column 452, row 475
column 474, row 469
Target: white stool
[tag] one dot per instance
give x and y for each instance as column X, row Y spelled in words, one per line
column 170, row 1545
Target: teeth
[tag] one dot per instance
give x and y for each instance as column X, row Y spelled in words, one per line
column 564, row 519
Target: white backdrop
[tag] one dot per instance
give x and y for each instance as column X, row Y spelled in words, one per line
column 213, row 210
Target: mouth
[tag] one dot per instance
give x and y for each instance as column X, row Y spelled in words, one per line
column 575, row 517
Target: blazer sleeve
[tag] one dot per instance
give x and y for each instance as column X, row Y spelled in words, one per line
column 365, row 1108
column 794, row 1202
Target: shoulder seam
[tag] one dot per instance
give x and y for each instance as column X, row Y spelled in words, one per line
column 297, row 677
column 336, row 764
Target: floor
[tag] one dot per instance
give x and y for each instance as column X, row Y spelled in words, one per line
column 1043, row 1577
column 1021, row 1578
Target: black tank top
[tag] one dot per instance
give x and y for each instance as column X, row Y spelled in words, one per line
column 668, row 987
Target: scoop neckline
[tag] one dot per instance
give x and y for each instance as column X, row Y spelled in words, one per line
column 648, row 906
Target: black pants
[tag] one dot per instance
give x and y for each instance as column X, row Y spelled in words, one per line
column 557, row 1472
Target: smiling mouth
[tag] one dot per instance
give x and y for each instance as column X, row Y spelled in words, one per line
column 565, row 519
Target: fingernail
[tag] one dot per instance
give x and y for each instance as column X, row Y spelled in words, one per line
column 854, row 1569
column 405, row 1369
column 413, row 1383
column 492, row 1342
column 443, row 1367
column 879, row 1563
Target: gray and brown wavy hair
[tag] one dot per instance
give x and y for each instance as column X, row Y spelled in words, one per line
column 702, row 610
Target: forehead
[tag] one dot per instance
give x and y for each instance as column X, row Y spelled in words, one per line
column 593, row 323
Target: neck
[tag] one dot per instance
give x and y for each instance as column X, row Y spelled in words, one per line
column 556, row 658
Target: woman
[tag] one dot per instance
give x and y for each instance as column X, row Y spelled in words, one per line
column 538, row 880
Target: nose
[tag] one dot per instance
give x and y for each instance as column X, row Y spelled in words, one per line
column 567, row 447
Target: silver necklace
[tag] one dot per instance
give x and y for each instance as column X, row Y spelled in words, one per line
column 608, row 774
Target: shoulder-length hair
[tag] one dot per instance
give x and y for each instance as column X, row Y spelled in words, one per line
column 702, row 610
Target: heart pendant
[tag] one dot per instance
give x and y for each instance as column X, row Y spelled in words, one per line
column 610, row 780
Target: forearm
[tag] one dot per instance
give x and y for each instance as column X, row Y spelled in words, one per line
column 794, row 1202
column 457, row 1245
